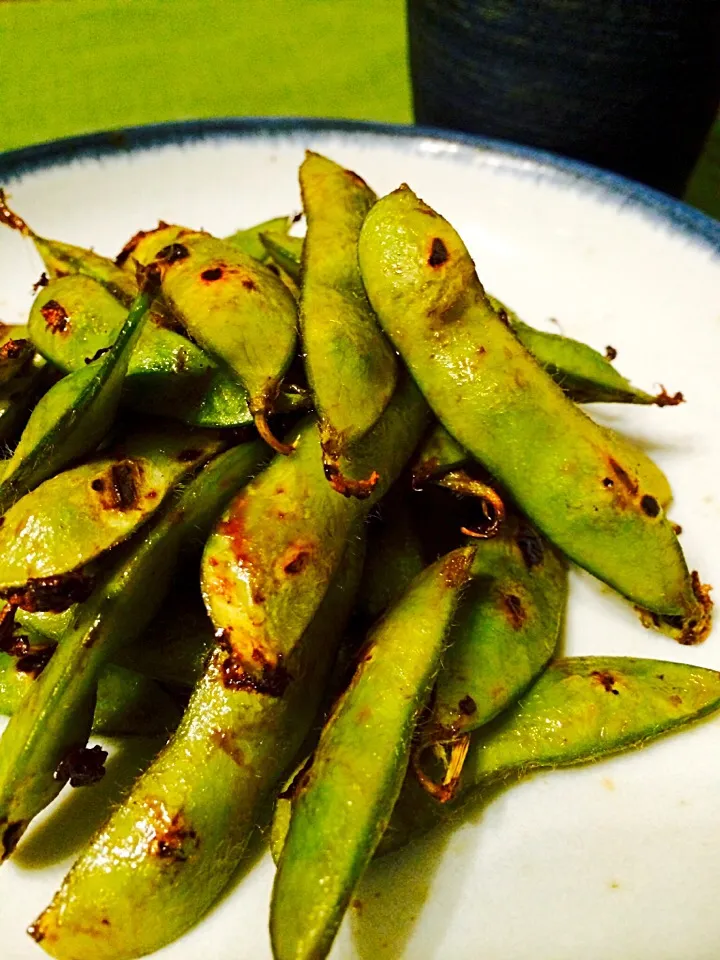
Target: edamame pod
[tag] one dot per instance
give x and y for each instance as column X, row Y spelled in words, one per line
column 75, row 318
column 344, row 801
column 583, row 373
column 127, row 703
column 249, row 240
column 350, row 365
column 16, row 352
column 565, row 473
column 76, row 516
column 177, row 840
column 19, row 397
column 238, row 311
column 75, row 414
column 56, row 715
column 282, row 537
column 580, row 710
column 507, row 628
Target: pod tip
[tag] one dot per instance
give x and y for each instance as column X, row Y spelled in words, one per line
column 263, row 428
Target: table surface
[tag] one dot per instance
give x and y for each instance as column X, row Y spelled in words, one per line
column 74, row 66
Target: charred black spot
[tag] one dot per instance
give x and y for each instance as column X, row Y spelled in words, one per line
column 298, row 562
column 650, row 506
column 606, row 681
column 610, row 353
column 623, row 476
column 172, row 253
column 53, row 594
column 122, row 491
column 12, row 349
column 35, row 661
column 42, row 281
column 676, row 622
column 531, row 547
column 11, row 836
column 249, row 283
column 270, row 680
column 503, row 317
column 7, row 627
column 211, row 274
column 515, row 609
column 96, row 356
column 189, row 455
column 607, row 482
column 82, row 766
column 467, row 706
column 55, row 316
column 438, row 253
column 98, row 484
column 661, row 676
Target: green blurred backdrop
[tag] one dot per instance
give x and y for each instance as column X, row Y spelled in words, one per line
column 73, row 66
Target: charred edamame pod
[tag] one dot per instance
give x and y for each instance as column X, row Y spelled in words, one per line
column 76, row 516
column 56, row 715
column 238, row 311
column 580, row 710
column 282, row 537
column 351, row 366
column 344, row 801
column 177, row 840
column 576, row 485
column 75, row 414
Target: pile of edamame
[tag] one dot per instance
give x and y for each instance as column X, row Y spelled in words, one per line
column 305, row 506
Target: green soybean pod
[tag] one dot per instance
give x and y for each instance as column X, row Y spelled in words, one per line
column 238, row 311
column 583, row 373
column 175, row 843
column 76, row 516
column 344, row 802
column 56, row 715
column 75, row 414
column 282, row 537
column 507, row 628
column 127, row 703
column 19, row 397
column 573, row 483
column 350, row 364
column 580, row 710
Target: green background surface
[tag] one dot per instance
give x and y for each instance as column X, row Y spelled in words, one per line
column 74, row 66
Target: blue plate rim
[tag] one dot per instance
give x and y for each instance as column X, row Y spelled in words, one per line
column 675, row 213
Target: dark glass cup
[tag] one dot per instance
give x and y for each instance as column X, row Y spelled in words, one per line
column 628, row 85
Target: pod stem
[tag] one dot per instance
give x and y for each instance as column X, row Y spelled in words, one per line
column 263, row 428
column 665, row 399
column 13, row 220
column 452, row 756
column 359, row 489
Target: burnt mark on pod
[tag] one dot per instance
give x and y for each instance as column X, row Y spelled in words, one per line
column 14, row 349
column 298, row 562
column 11, row 836
column 119, row 487
column 606, row 680
column 172, row 253
column 438, row 253
column 134, row 241
column 35, row 660
column 212, row 274
column 271, row 679
column 225, row 740
column 531, row 547
column 173, row 837
column 55, row 316
column 248, row 283
column 515, row 610
column 467, row 706
column 7, row 627
column 82, row 766
column 53, row 594
column 664, row 399
column 622, row 477
column 41, row 282
column 649, row 506
column 610, row 353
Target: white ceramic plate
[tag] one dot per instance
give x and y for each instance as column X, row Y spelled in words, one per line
column 619, row 861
